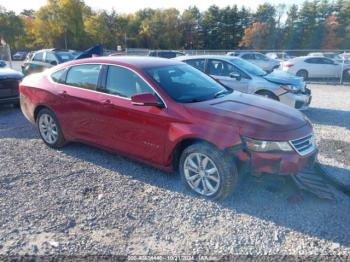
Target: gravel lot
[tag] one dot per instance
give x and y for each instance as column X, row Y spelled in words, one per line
column 84, row 201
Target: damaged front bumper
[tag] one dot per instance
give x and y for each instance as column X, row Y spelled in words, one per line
column 299, row 101
column 281, row 163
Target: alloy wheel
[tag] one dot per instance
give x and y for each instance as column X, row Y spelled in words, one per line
column 48, row 128
column 201, row 174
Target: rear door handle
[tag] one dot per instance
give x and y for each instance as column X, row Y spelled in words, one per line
column 62, row 93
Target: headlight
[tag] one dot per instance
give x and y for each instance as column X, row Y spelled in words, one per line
column 290, row 88
column 307, row 120
column 267, row 146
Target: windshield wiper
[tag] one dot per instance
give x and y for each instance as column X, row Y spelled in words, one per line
column 195, row 100
column 220, row 93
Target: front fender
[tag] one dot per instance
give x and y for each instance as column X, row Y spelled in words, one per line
column 222, row 136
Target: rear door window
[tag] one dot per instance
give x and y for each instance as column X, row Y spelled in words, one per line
column 38, row 57
column 248, row 56
column 327, row 61
column 221, row 68
column 84, row 76
column 197, row 63
column 50, row 58
column 261, row 57
column 313, row 61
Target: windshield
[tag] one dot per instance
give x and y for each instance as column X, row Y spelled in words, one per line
column 249, row 67
column 64, row 56
column 186, row 84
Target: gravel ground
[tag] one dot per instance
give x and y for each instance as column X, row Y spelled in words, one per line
column 84, row 201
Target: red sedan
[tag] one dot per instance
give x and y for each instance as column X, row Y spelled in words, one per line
column 170, row 115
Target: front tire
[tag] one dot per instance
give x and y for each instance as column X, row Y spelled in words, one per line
column 49, row 129
column 303, row 73
column 346, row 75
column 268, row 94
column 207, row 171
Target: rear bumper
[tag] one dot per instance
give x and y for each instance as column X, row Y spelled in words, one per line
column 276, row 163
column 9, row 100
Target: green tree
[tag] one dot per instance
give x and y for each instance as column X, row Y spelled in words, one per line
column 292, row 36
column 266, row 14
column 60, row 22
column 106, row 28
column 11, row 27
column 163, row 29
column 191, row 29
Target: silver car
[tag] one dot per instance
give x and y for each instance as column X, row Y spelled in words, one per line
column 259, row 59
column 246, row 77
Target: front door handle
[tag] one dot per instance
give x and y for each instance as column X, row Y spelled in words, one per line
column 107, row 103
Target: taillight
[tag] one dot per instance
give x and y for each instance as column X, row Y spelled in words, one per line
column 288, row 65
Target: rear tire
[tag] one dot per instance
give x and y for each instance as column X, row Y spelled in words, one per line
column 346, row 75
column 267, row 94
column 207, row 171
column 303, row 73
column 50, row 129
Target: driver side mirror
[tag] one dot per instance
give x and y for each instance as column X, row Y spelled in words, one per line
column 236, row 76
column 54, row 63
column 146, row 99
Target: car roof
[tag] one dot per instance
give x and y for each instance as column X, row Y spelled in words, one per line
column 54, row 50
column 307, row 57
column 163, row 51
column 248, row 52
column 131, row 61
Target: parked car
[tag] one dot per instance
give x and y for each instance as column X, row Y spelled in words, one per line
column 168, row 114
column 258, row 59
column 9, row 80
column 44, row 59
column 29, row 56
column 280, row 56
column 2, row 63
column 331, row 55
column 118, row 54
column 316, row 67
column 165, row 53
column 246, row 77
column 344, row 57
column 19, row 56
column 76, row 53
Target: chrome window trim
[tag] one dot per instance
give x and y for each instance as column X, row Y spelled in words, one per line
column 94, row 91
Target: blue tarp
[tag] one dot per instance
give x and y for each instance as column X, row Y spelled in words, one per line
column 96, row 50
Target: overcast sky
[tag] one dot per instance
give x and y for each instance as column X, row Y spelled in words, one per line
column 129, row 6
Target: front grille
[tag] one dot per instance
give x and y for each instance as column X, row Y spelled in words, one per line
column 304, row 145
column 8, row 88
column 299, row 104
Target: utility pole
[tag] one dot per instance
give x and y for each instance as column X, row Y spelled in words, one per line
column 126, row 43
column 65, row 37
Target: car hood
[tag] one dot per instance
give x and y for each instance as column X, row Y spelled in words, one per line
column 284, row 78
column 254, row 116
column 8, row 73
